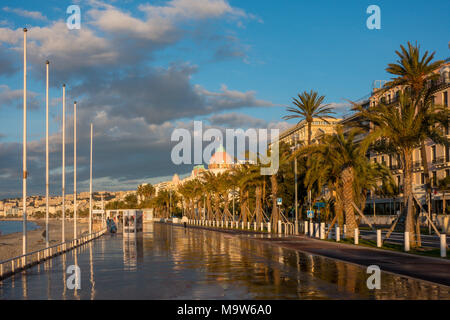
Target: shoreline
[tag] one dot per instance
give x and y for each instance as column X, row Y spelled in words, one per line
column 11, row 244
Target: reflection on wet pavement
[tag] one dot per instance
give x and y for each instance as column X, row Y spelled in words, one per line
column 170, row 262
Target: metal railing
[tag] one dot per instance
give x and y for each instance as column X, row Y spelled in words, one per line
column 17, row 264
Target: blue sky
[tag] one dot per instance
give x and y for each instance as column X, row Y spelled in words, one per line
column 189, row 59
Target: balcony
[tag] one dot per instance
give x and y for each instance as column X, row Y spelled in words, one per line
column 438, row 161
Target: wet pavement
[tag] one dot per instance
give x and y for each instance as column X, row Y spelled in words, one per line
column 171, row 262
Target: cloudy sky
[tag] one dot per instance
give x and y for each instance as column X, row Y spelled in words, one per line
column 141, row 69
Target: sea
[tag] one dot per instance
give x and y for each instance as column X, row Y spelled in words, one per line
column 12, row 226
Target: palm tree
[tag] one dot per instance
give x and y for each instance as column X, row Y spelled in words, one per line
column 307, row 107
column 414, row 71
column 341, row 161
column 399, row 131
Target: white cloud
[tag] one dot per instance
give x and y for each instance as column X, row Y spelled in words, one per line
column 27, row 14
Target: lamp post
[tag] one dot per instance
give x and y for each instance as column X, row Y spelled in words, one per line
column 90, row 186
column 63, row 231
column 75, row 170
column 24, row 184
column 46, row 157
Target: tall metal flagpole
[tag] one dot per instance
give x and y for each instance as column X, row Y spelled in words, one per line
column 296, row 197
column 63, row 230
column 46, row 157
column 24, row 190
column 90, row 188
column 75, row 170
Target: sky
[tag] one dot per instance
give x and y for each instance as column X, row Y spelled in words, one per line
column 141, row 69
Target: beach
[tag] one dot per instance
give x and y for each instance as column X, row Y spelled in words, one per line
column 11, row 244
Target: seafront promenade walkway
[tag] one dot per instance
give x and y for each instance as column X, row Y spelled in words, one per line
column 436, row 270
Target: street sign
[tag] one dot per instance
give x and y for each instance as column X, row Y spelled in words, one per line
column 310, row 214
column 98, row 211
column 279, row 201
column 320, row 204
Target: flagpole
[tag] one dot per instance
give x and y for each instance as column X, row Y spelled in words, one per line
column 24, row 190
column 75, row 170
column 63, row 230
column 90, row 187
column 46, row 157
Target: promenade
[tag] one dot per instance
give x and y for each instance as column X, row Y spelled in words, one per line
column 172, row 262
column 431, row 269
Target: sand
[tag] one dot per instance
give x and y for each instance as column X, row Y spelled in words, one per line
column 11, row 244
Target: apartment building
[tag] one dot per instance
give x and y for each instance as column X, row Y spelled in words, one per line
column 299, row 132
column 438, row 156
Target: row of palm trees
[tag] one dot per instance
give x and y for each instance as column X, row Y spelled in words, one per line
column 338, row 162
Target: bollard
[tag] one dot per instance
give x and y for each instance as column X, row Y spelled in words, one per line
column 316, row 230
column 379, row 243
column 329, row 231
column 262, row 226
column 254, row 225
column 338, row 234
column 226, row 224
column 279, row 226
column 248, row 225
column 242, row 225
column 306, row 227
column 406, row 241
column 322, row 230
column 443, row 245
column 311, row 229
column 344, row 232
column 221, row 223
column 268, row 227
column 356, row 236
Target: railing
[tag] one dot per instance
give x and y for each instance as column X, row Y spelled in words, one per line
column 17, row 264
column 438, row 160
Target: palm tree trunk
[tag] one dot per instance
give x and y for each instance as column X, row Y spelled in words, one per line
column 347, row 182
column 258, row 207
column 407, row 196
column 309, row 133
column 274, row 218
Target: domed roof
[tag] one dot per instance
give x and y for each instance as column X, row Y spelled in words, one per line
column 220, row 157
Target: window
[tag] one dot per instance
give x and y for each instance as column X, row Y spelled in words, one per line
column 390, row 161
column 447, row 154
column 447, row 172
column 382, row 160
column 433, row 153
column 422, row 178
column 445, row 98
column 374, row 160
column 398, row 181
column 434, row 179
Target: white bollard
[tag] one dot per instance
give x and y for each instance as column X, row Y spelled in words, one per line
column 406, row 241
column 268, row 227
column 329, row 231
column 221, row 224
column 226, row 224
column 306, row 227
column 338, row 234
column 379, row 243
column 443, row 245
column 279, row 226
column 356, row 236
column 316, row 230
column 262, row 226
column 254, row 225
column 322, row 230
column 248, row 225
column 344, row 232
column 242, row 225
column 311, row 229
